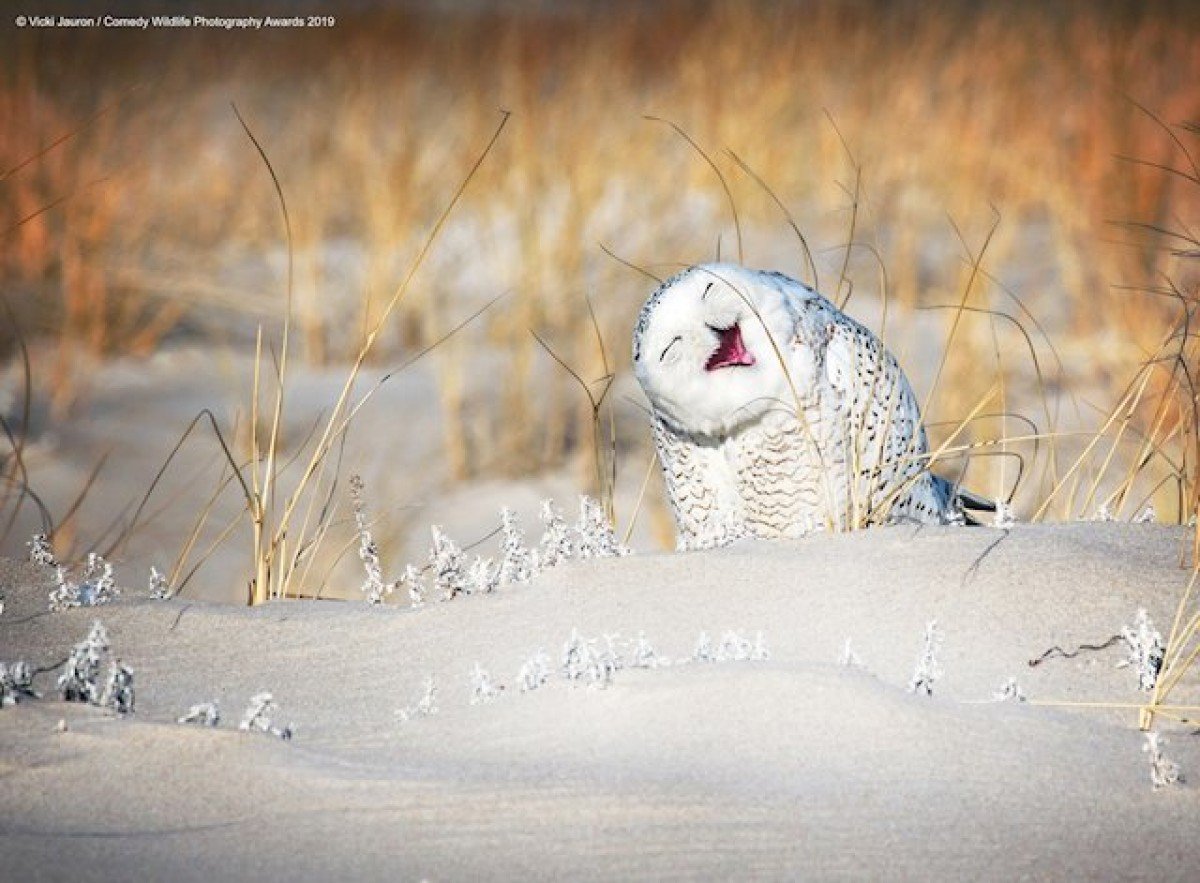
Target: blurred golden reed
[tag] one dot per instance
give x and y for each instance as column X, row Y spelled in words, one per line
column 133, row 206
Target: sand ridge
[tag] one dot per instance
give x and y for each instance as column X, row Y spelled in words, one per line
column 795, row 766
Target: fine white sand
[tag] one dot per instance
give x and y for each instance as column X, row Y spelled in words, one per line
column 795, row 767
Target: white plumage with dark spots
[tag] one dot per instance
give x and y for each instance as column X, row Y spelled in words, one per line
column 776, row 414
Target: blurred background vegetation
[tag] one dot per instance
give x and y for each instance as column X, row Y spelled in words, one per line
column 135, row 213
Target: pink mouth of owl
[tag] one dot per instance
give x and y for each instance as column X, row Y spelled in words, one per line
column 730, row 351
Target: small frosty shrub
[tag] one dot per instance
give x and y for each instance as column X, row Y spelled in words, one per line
column 206, row 714
column 16, row 683
column 482, row 688
column 1004, row 518
column 425, row 706
column 40, row 552
column 1146, row 650
column 596, row 537
column 704, row 650
column 1009, row 691
column 65, row 593
column 483, row 576
column 644, row 655
column 77, row 683
column 604, row 664
column 574, row 657
column 849, row 658
column 96, row 586
column 584, row 663
column 733, row 647
column 1146, row 516
column 257, row 717
column 118, row 692
column 447, row 562
column 535, row 671
column 1163, row 770
column 158, row 585
column 373, row 586
column 1104, row 513
column 555, row 546
column 516, row 562
column 415, row 583
column 928, row 670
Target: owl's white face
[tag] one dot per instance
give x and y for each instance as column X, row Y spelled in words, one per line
column 710, row 348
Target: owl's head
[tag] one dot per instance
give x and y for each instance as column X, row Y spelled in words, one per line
column 710, row 346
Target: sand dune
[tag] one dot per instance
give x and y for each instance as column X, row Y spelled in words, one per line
column 785, row 768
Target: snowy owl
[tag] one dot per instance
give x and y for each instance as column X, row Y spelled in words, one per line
column 776, row 414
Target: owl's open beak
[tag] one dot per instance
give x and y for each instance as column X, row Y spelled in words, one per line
column 730, row 351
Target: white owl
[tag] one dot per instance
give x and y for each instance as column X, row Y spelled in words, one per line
column 776, row 414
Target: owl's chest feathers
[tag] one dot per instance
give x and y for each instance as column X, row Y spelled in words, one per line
column 779, row 472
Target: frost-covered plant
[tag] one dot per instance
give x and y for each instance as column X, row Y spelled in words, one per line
column 425, row 706
column 159, row 589
column 644, row 655
column 65, row 593
column 118, row 691
column 206, row 714
column 733, row 647
column 1163, row 770
column 605, row 662
column 849, row 658
column 556, row 545
column 483, row 576
column 736, row 648
column 704, row 650
column 584, row 663
column 1145, row 650
column 40, row 552
column 1104, row 513
column 1009, row 691
column 16, row 683
column 374, row 586
column 1146, row 516
column 482, row 688
column 595, row 532
column 516, row 562
column 574, row 656
column 415, row 583
column 447, row 562
column 96, row 586
column 77, row 683
column 1004, row 518
column 257, row 717
column 535, row 671
column 928, row 670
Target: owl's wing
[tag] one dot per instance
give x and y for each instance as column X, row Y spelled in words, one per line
column 882, row 439
column 701, row 488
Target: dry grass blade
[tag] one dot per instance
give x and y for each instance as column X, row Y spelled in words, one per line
column 854, row 202
column 809, row 263
column 15, row 474
column 67, row 136
column 737, row 224
column 279, row 543
column 632, row 266
column 604, row 484
column 976, row 263
column 266, row 483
